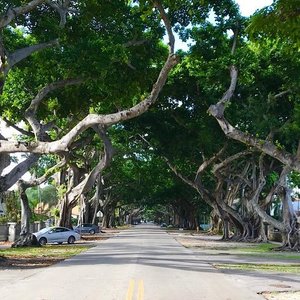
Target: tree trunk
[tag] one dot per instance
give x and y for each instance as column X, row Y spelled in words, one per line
column 26, row 238
column 25, row 213
column 65, row 213
column 106, row 219
column 216, row 222
column 96, row 204
column 291, row 237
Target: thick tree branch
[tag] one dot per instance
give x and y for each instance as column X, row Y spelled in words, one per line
column 14, row 12
column 20, row 54
column 42, row 179
column 17, row 172
column 179, row 175
column 266, row 146
column 21, row 130
column 208, row 162
column 4, row 162
column 254, row 200
column 282, row 94
column 62, row 7
column 167, row 23
column 49, row 88
column 87, row 184
column 217, row 110
column 30, row 113
column 235, row 37
column 280, row 183
column 93, row 119
column 263, row 145
column 230, row 159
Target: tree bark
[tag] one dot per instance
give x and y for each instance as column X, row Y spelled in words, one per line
column 65, row 214
column 26, row 238
column 266, row 146
column 8, row 180
column 13, row 12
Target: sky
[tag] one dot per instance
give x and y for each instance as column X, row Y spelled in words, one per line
column 248, row 7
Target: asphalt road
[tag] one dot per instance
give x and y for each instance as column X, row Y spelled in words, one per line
column 143, row 263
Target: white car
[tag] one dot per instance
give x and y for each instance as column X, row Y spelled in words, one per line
column 56, row 235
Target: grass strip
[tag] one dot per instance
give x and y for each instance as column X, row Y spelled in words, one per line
column 50, row 251
column 290, row 268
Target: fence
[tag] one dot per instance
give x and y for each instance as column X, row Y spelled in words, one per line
column 11, row 231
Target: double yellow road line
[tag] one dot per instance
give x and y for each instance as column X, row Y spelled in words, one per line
column 140, row 292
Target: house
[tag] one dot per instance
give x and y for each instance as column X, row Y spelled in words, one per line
column 296, row 205
column 2, row 209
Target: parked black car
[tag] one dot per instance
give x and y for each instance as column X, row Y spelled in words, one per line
column 87, row 228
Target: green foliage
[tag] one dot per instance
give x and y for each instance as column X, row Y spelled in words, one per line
column 45, row 162
column 156, row 213
column 281, row 19
column 272, row 178
column 115, row 46
column 13, row 208
column 45, row 195
column 61, row 190
column 91, row 47
column 55, row 212
column 38, row 217
column 292, row 268
column 295, row 179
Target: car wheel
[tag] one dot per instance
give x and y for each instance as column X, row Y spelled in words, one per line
column 43, row 241
column 59, row 243
column 92, row 231
column 71, row 240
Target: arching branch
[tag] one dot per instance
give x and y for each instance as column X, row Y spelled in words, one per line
column 104, row 120
column 20, row 54
column 30, row 113
column 266, row 146
column 14, row 12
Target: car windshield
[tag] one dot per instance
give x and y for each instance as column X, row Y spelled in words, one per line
column 44, row 230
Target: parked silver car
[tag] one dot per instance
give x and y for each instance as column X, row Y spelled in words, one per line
column 56, row 235
column 87, row 228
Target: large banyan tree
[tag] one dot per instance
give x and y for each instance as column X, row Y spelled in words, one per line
column 70, row 70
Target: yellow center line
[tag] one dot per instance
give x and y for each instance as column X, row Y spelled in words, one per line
column 130, row 290
column 141, row 290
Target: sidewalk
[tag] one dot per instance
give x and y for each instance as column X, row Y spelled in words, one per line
column 214, row 251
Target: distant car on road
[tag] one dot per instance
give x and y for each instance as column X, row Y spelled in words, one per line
column 87, row 228
column 56, row 235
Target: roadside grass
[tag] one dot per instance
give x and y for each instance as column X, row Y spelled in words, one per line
column 265, row 250
column 123, row 227
column 257, row 248
column 48, row 251
column 290, row 268
column 249, row 249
